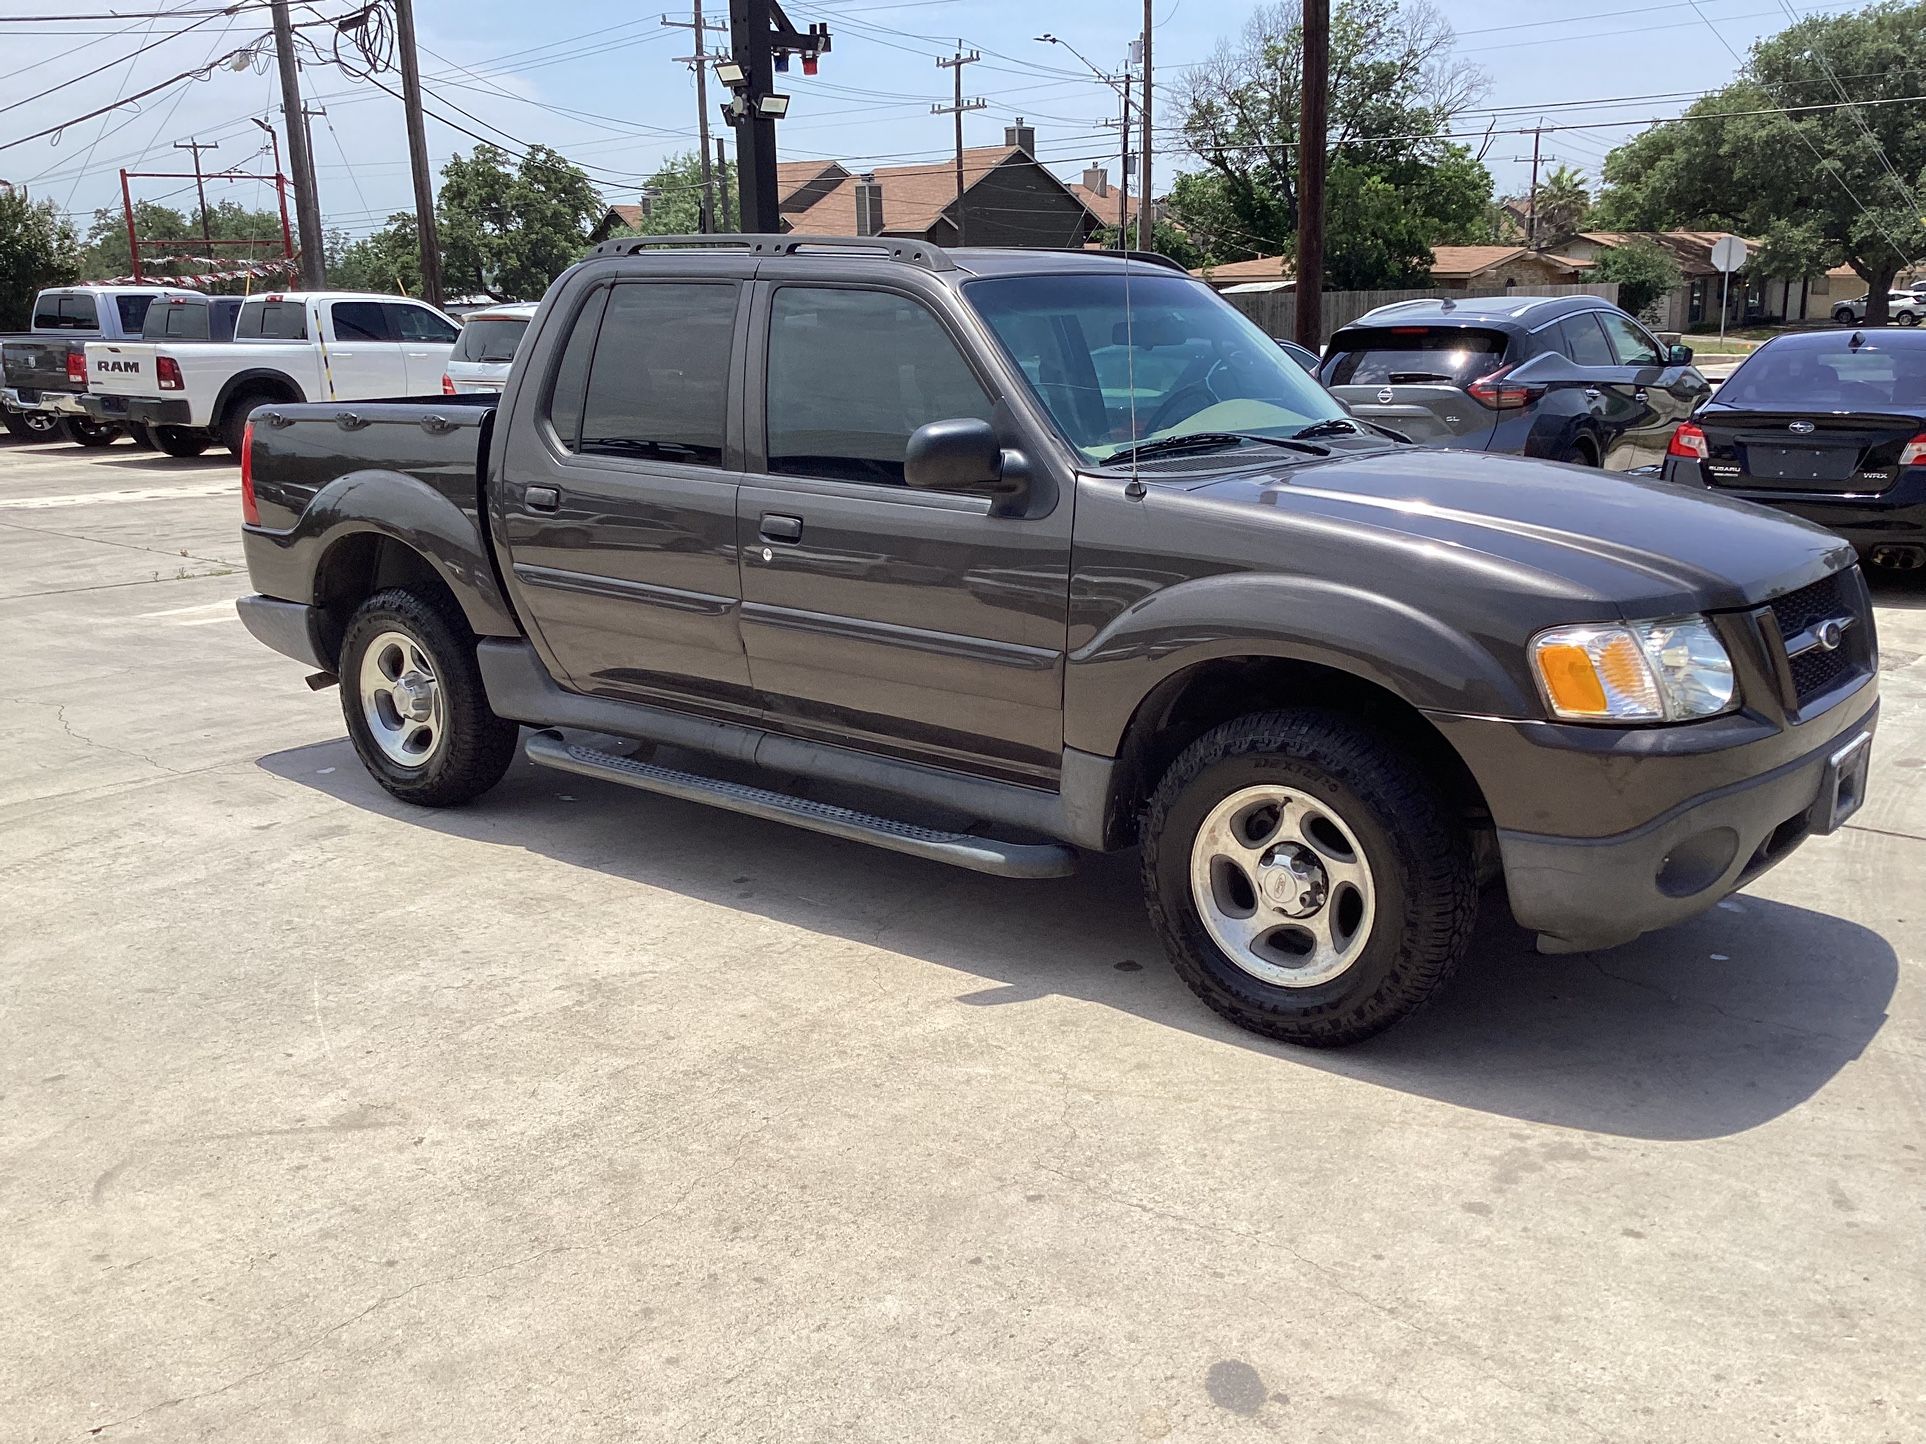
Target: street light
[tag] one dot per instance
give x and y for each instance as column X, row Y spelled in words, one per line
column 1048, row 39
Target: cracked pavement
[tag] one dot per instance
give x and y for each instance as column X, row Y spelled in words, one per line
column 582, row 1113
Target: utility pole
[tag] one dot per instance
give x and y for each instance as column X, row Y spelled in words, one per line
column 307, row 205
column 700, row 62
column 1122, row 122
column 955, row 65
column 1531, row 204
column 1146, row 222
column 425, row 228
column 200, row 188
column 761, row 40
column 1312, row 116
column 722, row 178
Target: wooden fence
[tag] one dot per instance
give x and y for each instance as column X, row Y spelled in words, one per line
column 1276, row 311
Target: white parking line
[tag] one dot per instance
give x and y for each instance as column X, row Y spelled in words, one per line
column 118, row 498
column 196, row 616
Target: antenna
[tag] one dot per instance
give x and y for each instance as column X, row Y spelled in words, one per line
column 1135, row 490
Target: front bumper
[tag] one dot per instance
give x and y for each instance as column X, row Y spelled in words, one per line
column 1895, row 516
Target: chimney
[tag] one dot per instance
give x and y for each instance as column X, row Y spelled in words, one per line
column 1096, row 180
column 869, row 205
column 1022, row 137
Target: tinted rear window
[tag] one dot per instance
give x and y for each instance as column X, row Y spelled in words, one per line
column 490, row 342
column 133, row 311
column 1861, row 378
column 272, row 321
column 1401, row 355
column 66, row 313
column 177, row 321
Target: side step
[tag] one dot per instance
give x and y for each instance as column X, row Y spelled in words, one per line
column 979, row 854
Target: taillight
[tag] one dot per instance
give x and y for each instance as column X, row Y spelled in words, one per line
column 250, row 513
column 1502, row 395
column 1914, row 451
column 1688, row 442
column 447, row 384
column 168, row 373
column 77, row 367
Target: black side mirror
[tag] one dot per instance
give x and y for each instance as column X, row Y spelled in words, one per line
column 964, row 455
column 1680, row 355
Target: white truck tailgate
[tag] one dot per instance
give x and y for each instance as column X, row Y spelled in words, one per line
column 122, row 368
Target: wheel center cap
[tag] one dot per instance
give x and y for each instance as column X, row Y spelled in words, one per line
column 1293, row 880
column 414, row 696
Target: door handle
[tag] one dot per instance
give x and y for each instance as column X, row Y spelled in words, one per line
column 1591, row 393
column 542, row 498
column 782, row 528
column 1639, row 396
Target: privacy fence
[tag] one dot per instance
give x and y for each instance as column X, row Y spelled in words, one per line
column 1276, row 311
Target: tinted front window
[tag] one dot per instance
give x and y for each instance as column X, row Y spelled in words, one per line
column 418, row 323
column 272, row 321
column 490, row 342
column 1837, row 378
column 1633, row 346
column 360, row 321
column 1584, row 342
column 1118, row 358
column 1412, row 355
column 133, row 311
column 851, row 375
column 658, row 384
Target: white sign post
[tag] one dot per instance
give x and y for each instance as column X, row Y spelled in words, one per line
column 1728, row 254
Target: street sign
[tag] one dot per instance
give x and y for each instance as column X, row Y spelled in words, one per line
column 1728, row 253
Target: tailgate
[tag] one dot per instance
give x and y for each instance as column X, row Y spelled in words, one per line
column 122, row 368
column 40, row 365
column 1412, row 377
column 1431, row 414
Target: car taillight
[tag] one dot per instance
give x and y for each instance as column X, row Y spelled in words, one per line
column 447, row 384
column 250, row 512
column 168, row 373
column 77, row 367
column 1689, row 442
column 1914, row 451
column 1502, row 395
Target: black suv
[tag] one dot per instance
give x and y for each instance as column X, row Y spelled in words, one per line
column 1058, row 552
column 1566, row 378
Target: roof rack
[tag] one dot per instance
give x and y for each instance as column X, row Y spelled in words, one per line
column 886, row 248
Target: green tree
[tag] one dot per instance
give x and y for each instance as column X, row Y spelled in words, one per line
column 106, row 253
column 1165, row 239
column 38, row 249
column 1563, row 204
column 510, row 233
column 387, row 260
column 1393, row 188
column 1644, row 272
column 673, row 197
column 1750, row 158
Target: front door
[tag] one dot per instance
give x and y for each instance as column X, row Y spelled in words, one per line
column 905, row 621
column 618, row 497
column 364, row 359
column 426, row 339
column 1662, row 394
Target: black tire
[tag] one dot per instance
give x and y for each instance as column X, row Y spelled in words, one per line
column 36, row 425
column 1419, row 856
column 141, row 436
column 16, row 424
column 234, row 424
column 181, row 440
column 1843, row 315
column 1908, row 318
column 1579, row 454
column 474, row 746
column 84, row 431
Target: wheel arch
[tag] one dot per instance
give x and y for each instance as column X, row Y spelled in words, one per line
column 262, row 381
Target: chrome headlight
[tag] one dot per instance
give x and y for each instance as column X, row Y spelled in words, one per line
column 1666, row 671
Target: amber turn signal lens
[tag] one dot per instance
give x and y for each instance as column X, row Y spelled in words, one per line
column 1571, row 681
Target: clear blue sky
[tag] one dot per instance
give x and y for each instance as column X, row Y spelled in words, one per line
column 599, row 84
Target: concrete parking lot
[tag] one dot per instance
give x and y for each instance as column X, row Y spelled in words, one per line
column 583, row 1114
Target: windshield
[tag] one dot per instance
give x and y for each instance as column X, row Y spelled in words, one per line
column 1849, row 378
column 1174, row 361
column 490, row 341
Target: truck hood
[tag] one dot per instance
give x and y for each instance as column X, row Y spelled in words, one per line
column 1623, row 545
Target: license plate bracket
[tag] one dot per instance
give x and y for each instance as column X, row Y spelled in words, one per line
column 1842, row 787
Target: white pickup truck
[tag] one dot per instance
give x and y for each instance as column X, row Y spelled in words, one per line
column 287, row 346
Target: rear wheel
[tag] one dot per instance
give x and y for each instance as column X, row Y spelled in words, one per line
column 233, row 425
column 1908, row 318
column 34, row 425
column 1308, row 881
column 1579, row 454
column 141, row 436
column 181, row 440
column 1843, row 315
column 84, row 431
column 412, row 696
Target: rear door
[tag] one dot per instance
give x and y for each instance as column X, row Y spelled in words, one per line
column 365, row 361
column 1662, row 394
column 908, row 622
column 617, row 501
column 426, row 339
column 1604, row 393
column 1412, row 379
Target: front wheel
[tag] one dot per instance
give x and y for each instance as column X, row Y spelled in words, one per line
column 1307, row 879
column 84, row 431
column 1844, row 316
column 413, row 700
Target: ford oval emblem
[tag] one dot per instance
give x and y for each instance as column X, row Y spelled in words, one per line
column 1800, row 428
column 1385, row 397
column 1829, row 634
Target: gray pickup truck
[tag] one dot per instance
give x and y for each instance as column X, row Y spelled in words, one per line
column 1061, row 549
column 45, row 369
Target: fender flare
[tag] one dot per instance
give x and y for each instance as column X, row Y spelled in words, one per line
column 1411, row 654
column 241, row 379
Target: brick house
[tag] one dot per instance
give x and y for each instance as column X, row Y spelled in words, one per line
column 1694, row 303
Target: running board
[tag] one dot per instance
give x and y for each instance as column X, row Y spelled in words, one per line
column 979, row 854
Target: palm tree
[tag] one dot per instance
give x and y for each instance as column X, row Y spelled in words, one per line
column 1562, row 204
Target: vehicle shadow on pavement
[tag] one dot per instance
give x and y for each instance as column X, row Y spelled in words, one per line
column 1898, row 589
column 214, row 461
column 1704, row 1030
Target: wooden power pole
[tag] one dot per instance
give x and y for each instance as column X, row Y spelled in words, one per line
column 1146, row 221
column 425, row 228
column 699, row 62
column 200, row 187
column 307, row 205
column 955, row 66
column 1312, row 122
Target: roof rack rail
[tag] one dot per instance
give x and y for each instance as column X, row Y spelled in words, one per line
column 1149, row 258
column 888, row 248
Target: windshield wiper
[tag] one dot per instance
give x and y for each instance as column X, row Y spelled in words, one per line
column 1208, row 441
column 1330, row 426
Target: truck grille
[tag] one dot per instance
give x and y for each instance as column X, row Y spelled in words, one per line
column 1816, row 671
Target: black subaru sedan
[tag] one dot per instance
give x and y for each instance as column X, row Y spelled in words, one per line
column 1828, row 425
